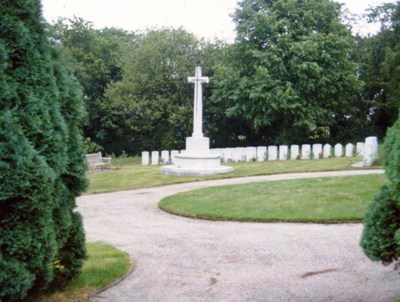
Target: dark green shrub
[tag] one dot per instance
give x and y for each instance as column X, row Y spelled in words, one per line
column 381, row 235
column 41, row 157
column 380, row 226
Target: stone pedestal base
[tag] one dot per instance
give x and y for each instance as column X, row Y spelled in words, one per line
column 196, row 160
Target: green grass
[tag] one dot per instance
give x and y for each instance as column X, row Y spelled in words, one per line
column 323, row 200
column 105, row 264
column 128, row 174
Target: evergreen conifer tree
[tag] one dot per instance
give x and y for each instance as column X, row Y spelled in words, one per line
column 381, row 235
column 41, row 158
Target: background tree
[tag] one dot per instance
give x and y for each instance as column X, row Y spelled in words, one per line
column 41, row 159
column 95, row 55
column 151, row 107
column 290, row 77
column 378, row 58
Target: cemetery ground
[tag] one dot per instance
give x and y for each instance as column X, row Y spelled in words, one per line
column 104, row 264
column 184, row 259
column 128, row 174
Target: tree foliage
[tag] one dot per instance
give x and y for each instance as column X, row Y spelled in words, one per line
column 379, row 65
column 290, row 75
column 95, row 55
column 41, row 158
column 151, row 107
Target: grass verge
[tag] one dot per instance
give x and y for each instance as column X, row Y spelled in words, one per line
column 105, row 264
column 127, row 174
column 321, row 200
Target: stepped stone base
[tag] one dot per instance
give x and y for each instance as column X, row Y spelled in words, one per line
column 196, row 160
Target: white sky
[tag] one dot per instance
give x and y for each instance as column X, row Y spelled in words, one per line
column 205, row 18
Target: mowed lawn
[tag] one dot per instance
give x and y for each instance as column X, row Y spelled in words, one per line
column 127, row 173
column 103, row 266
column 325, row 200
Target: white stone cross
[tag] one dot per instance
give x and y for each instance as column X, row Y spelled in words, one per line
column 198, row 102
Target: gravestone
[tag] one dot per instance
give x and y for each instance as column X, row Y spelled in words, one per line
column 228, row 154
column 251, row 153
column 305, row 151
column 294, row 152
column 327, row 150
column 261, row 153
column 317, row 151
column 360, row 149
column 283, row 152
column 237, row 154
column 155, row 157
column 338, row 150
column 145, row 158
column 272, row 152
column 349, row 150
column 165, row 157
column 173, row 153
column 370, row 150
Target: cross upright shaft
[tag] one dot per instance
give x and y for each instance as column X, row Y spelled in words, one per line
column 198, row 102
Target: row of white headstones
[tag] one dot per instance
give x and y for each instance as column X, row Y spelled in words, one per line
column 368, row 150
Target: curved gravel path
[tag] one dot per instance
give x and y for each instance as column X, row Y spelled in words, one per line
column 182, row 259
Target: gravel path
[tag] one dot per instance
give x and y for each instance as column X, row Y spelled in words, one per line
column 182, row 259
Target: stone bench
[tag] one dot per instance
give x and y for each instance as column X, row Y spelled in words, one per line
column 95, row 160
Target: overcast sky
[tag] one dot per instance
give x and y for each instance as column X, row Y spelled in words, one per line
column 205, row 18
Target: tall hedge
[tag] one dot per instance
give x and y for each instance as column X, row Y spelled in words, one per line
column 381, row 235
column 41, row 159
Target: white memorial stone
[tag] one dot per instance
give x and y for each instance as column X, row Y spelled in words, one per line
column 261, row 153
column 145, row 158
column 360, row 149
column 305, row 151
column 228, row 154
column 173, row 153
column 283, row 152
column 196, row 160
column 155, row 157
column 294, row 152
column 370, row 150
column 237, row 154
column 317, row 151
column 272, row 152
column 251, row 153
column 327, row 150
column 165, row 157
column 349, row 150
column 338, row 150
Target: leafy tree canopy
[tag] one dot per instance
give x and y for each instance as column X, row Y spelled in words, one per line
column 290, row 75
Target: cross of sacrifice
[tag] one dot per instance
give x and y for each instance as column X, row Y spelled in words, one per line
column 198, row 102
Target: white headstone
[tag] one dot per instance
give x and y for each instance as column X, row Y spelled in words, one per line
column 173, row 153
column 338, row 150
column 165, row 156
column 228, row 154
column 154, row 157
column 237, row 154
column 360, row 149
column 349, row 150
column 294, row 152
column 305, row 151
column 272, row 152
column 283, row 152
column 327, row 150
column 370, row 150
column 145, row 158
column 261, row 153
column 317, row 151
column 251, row 153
